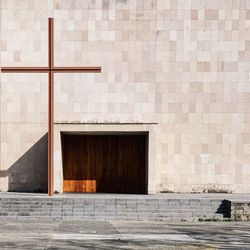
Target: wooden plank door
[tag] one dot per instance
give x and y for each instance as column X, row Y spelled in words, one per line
column 105, row 163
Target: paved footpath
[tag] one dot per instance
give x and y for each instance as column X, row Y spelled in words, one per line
column 123, row 235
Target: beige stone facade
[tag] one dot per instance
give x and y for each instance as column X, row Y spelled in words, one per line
column 176, row 68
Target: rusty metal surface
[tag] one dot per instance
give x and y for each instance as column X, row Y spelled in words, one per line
column 24, row 69
column 51, row 108
column 77, row 69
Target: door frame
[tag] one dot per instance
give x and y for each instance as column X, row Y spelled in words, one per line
column 153, row 145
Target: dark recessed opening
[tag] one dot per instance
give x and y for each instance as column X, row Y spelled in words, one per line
column 105, row 162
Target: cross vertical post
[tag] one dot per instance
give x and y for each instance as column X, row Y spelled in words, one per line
column 51, row 108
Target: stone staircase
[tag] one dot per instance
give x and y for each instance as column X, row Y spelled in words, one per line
column 111, row 208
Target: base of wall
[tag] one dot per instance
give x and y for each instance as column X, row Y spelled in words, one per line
column 204, row 188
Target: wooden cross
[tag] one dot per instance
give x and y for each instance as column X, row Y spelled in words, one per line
column 50, row 70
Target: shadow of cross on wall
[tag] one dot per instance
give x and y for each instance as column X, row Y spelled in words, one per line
column 30, row 172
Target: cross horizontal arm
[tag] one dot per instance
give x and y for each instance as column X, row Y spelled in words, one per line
column 47, row 69
column 24, row 69
column 77, row 69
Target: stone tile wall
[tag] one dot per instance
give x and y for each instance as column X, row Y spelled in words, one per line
column 183, row 64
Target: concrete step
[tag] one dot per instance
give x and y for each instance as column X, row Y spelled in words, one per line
column 53, row 208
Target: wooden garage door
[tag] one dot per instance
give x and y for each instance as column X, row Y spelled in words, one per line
column 105, row 163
